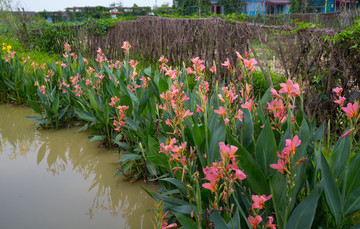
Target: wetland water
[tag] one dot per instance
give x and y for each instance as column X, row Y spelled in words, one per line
column 58, row 179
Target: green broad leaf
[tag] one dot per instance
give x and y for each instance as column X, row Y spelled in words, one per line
column 179, row 184
column 303, row 215
column 122, row 145
column 83, row 115
column 154, row 90
column 218, row 221
column 35, row 118
column 163, row 85
column 304, row 135
column 159, row 160
column 217, row 137
column 132, row 124
column 248, row 129
column 266, row 98
column 133, row 97
column 55, row 106
column 62, row 112
column 85, row 127
column 35, row 107
column 353, row 181
column 278, row 191
column 185, row 221
column 352, row 204
column 143, row 103
column 255, row 177
column 169, row 201
column 339, row 156
column 130, row 157
column 157, row 77
column 184, row 209
column 319, row 134
column 152, row 145
column 147, row 71
column 109, row 72
column 235, row 220
column 198, row 134
column 266, row 149
column 93, row 102
column 151, row 168
column 97, row 138
column 332, row 193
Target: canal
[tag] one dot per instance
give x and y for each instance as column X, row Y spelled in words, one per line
column 58, row 179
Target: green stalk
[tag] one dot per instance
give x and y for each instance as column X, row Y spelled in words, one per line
column 206, row 135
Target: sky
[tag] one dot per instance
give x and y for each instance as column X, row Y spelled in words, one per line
column 55, row 5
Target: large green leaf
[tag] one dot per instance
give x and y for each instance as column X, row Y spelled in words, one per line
column 130, row 157
column 218, row 220
column 339, row 156
column 255, row 177
column 185, row 221
column 85, row 115
column 35, row 107
column 179, row 184
column 332, row 192
column 353, row 202
column 143, row 102
column 97, row 138
column 248, row 128
column 353, row 181
column 266, row 149
column 217, row 136
column 303, row 215
column 278, row 191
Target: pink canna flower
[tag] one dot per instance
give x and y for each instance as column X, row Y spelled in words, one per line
column 239, row 115
column 259, row 201
column 275, row 93
column 270, row 223
column 212, row 69
column 280, row 166
column 351, row 110
column 291, row 144
column 290, row 88
column 221, row 111
column 226, row 63
column 338, row 91
column 227, row 153
column 239, row 174
column 340, row 101
column 163, row 59
column 254, row 221
column 347, row 133
column 211, row 186
column 250, row 64
column 199, row 109
column 126, row 46
column 166, row 226
column 248, row 105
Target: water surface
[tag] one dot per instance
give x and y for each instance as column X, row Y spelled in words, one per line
column 58, row 179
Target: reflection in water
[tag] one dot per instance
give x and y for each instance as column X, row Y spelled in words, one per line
column 58, row 179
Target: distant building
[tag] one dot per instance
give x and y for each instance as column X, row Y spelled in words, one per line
column 253, row 7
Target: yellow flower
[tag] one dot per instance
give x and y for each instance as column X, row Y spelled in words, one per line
column 8, row 48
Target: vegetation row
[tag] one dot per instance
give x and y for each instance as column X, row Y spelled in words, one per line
column 224, row 156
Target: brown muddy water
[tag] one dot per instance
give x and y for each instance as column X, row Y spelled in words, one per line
column 58, row 179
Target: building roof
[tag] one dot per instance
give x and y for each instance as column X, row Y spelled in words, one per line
column 278, row 2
